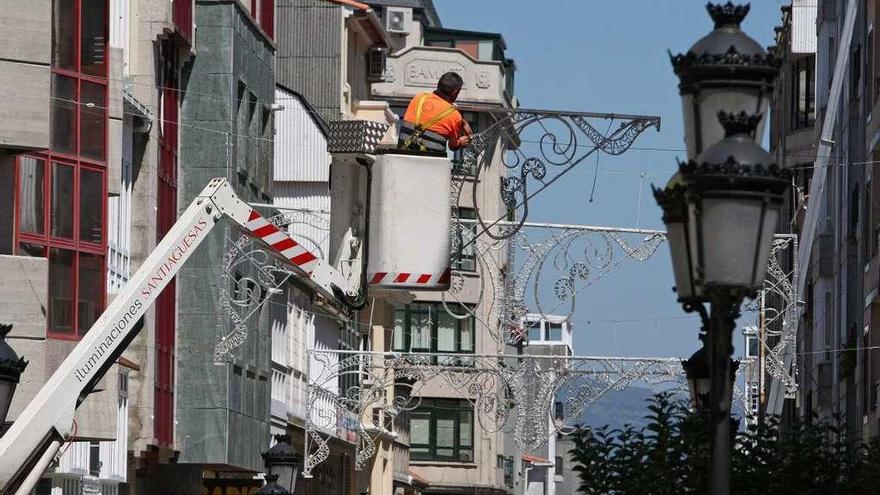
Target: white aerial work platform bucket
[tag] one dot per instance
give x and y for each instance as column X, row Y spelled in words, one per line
column 410, row 222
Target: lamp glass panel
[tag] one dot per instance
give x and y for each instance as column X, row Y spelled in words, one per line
column 729, row 232
column 285, row 474
column 697, row 261
column 678, row 248
column 687, row 112
column 731, row 99
column 771, row 218
column 6, row 391
column 703, row 386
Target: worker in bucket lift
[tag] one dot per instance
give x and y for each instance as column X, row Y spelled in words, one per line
column 431, row 120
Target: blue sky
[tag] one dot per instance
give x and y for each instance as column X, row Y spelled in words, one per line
column 610, row 56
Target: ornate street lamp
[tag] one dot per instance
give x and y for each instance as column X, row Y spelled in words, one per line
column 11, row 368
column 272, row 487
column 721, row 212
column 725, row 70
column 282, row 465
column 696, row 369
column 732, row 194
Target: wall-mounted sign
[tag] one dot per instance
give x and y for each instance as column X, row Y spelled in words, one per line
column 231, row 486
column 422, row 72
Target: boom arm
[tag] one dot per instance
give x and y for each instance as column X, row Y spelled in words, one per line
column 34, row 438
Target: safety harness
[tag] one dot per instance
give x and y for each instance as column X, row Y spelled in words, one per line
column 420, row 127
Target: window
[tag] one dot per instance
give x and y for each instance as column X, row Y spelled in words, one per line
column 428, row 327
column 61, row 194
column 854, row 210
column 95, row 458
column 559, row 410
column 803, row 93
column 534, row 331
column 465, row 248
column 754, row 398
column 867, row 226
column 828, row 325
column 166, row 216
column 869, row 66
column 508, row 471
column 855, row 72
column 263, row 11
column 558, row 466
column 442, row 430
column 832, row 56
column 752, row 346
column 554, row 331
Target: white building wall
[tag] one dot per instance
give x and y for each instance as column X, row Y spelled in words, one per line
column 300, row 145
column 120, row 29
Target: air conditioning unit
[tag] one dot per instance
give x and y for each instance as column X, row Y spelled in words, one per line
column 377, row 58
column 397, row 21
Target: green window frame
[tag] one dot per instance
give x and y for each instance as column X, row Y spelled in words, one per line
column 428, row 327
column 442, row 430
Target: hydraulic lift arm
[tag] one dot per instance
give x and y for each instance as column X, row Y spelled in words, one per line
column 36, row 435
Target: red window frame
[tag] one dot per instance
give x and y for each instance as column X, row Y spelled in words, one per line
column 46, row 240
column 263, row 12
column 166, row 216
column 182, row 16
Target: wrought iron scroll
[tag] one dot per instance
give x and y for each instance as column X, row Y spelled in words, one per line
column 537, row 147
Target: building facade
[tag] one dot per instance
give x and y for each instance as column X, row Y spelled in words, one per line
column 115, row 122
column 448, row 449
column 838, row 334
column 543, row 472
column 222, row 400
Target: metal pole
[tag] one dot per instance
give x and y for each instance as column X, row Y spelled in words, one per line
column 725, row 309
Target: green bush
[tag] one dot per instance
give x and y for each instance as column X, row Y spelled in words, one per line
column 670, row 455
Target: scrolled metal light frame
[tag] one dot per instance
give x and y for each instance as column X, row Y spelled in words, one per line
column 563, row 140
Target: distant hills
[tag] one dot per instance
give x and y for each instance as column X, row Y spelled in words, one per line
column 629, row 406
column 616, row 409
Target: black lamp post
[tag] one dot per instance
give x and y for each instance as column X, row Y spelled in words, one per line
column 696, row 369
column 282, row 467
column 11, row 368
column 724, row 70
column 721, row 211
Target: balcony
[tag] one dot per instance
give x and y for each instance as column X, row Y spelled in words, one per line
column 417, row 69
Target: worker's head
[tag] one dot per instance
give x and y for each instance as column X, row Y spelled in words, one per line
column 449, row 86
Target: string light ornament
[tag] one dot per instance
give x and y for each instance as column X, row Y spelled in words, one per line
column 557, row 263
column 776, row 309
column 247, row 276
column 509, row 393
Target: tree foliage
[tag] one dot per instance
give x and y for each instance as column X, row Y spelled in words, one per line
column 670, row 455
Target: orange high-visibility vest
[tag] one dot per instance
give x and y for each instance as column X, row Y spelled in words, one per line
column 429, row 112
